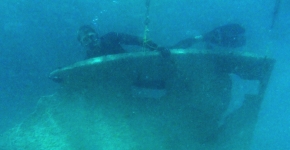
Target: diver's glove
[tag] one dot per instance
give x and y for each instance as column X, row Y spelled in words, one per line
column 150, row 45
column 165, row 52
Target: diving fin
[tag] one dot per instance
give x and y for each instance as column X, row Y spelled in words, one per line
column 230, row 35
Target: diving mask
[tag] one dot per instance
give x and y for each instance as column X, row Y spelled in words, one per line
column 89, row 39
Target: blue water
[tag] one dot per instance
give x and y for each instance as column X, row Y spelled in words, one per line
column 38, row 36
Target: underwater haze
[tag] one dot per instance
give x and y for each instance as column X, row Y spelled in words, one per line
column 37, row 37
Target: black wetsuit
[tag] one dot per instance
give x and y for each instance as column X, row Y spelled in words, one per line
column 229, row 36
column 112, row 42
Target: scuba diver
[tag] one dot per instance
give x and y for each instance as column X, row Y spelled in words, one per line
column 110, row 43
column 227, row 36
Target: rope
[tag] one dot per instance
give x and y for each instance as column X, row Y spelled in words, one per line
column 146, row 23
column 275, row 12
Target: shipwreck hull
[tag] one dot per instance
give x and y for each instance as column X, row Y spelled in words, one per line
column 112, row 102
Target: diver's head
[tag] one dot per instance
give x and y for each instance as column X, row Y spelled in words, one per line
column 87, row 36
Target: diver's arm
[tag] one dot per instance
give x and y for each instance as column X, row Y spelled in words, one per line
column 186, row 43
column 127, row 39
column 122, row 38
column 135, row 40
